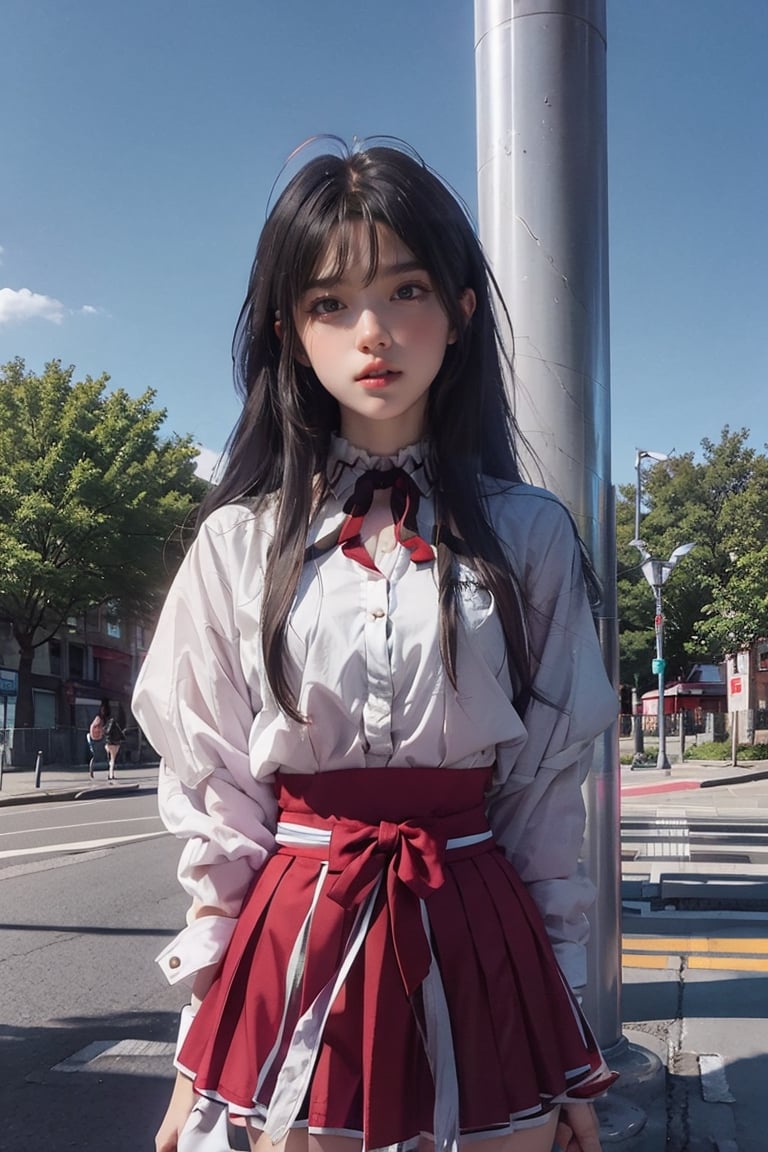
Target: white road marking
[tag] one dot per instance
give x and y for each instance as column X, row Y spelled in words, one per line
column 45, row 865
column 81, row 846
column 714, row 1082
column 55, row 805
column 86, row 1058
column 82, row 824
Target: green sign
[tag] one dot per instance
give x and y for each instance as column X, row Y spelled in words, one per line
column 658, row 666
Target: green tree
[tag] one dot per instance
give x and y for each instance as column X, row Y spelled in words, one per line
column 92, row 501
column 737, row 614
column 717, row 597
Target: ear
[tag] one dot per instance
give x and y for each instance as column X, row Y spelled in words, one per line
column 467, row 304
column 301, row 356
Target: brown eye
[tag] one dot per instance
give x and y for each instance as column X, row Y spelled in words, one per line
column 410, row 292
column 326, row 307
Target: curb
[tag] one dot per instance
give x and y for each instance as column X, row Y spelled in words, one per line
column 95, row 792
column 37, row 797
column 761, row 774
column 99, row 791
column 690, row 785
column 660, row 786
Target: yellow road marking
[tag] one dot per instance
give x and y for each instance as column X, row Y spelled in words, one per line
column 742, row 954
column 735, row 963
column 635, row 961
column 687, row 944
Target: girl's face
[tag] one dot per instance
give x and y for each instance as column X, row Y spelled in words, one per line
column 376, row 347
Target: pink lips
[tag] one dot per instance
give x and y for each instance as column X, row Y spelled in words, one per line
column 377, row 375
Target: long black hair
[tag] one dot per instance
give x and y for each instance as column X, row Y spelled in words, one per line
column 279, row 447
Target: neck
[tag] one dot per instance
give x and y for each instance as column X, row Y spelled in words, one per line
column 379, row 439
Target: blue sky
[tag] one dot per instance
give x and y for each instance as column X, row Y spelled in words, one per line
column 140, row 142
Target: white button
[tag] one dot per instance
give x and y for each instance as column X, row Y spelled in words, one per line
column 377, row 613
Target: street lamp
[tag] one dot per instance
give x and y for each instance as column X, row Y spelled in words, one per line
column 657, row 572
column 639, row 457
column 637, row 722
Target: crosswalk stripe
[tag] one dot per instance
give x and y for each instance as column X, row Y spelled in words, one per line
column 86, row 1058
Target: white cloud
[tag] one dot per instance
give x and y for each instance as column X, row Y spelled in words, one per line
column 17, row 306
column 209, row 464
column 89, row 310
column 2, row 250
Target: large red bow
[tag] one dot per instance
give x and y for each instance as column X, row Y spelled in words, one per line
column 411, row 858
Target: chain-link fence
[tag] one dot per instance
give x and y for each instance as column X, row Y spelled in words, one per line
column 66, row 747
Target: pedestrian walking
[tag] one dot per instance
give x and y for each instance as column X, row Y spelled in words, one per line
column 375, row 685
column 113, row 738
column 95, row 736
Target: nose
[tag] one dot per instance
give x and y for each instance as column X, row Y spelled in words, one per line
column 372, row 332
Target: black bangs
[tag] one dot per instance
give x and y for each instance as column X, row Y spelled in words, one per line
column 341, row 241
column 316, row 221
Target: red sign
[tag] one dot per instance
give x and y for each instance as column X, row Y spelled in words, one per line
column 659, row 620
column 736, row 686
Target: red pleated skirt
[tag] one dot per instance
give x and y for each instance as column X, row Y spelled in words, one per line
column 389, row 974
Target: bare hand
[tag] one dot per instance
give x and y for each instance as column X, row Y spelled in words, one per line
column 577, row 1129
column 181, row 1104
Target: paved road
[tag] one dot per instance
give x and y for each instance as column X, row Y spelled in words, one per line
column 77, row 977
column 33, row 832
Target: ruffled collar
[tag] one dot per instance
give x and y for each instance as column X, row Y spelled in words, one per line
column 346, row 463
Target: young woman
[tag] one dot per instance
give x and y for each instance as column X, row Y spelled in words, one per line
column 375, row 686
column 113, row 738
column 95, row 737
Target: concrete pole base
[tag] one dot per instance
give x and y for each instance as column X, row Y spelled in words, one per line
column 623, row 1113
column 619, row 1118
column 662, row 762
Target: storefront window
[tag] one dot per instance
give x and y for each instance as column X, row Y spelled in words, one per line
column 76, row 662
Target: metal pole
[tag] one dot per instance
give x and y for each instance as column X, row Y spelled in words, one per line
column 38, row 769
column 637, row 720
column 661, row 760
column 4, row 738
column 542, row 193
column 638, row 459
column 637, row 723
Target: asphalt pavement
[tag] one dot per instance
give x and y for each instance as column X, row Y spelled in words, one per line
column 694, row 1053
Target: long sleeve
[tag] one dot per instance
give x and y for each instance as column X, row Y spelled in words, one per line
column 537, row 809
column 196, row 706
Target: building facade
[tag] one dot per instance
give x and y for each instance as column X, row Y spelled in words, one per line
column 94, row 656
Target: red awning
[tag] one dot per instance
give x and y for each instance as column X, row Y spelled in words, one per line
column 112, row 654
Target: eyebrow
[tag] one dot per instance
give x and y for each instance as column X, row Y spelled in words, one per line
column 382, row 269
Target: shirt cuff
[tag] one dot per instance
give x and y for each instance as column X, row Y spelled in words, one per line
column 200, row 945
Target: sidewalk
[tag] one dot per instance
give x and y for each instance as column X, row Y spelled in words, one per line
column 700, row 1002
column 705, row 1021
column 18, row 784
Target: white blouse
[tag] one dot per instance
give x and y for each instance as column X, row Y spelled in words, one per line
column 363, row 658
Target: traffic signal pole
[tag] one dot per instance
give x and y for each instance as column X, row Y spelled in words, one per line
column 542, row 193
